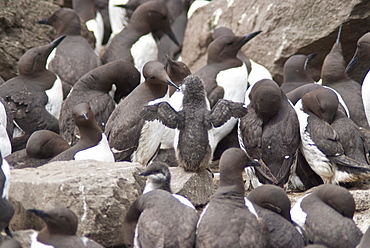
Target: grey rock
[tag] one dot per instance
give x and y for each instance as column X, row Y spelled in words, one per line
column 289, row 27
column 99, row 193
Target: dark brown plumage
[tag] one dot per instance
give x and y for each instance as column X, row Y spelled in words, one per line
column 93, row 88
column 74, row 57
column 270, row 132
column 227, row 221
column 60, row 230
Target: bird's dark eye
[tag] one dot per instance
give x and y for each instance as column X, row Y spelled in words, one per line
column 229, row 44
column 152, row 77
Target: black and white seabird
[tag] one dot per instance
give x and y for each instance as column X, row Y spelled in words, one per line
column 130, row 137
column 135, row 42
column 321, row 143
column 256, row 72
column 229, row 219
column 273, row 206
column 304, row 177
column 326, row 216
column 177, row 71
column 295, row 74
column 225, row 76
column 159, row 177
column 93, row 143
column 6, row 208
column 333, row 74
column 362, row 55
column 194, row 123
column 269, row 133
column 74, row 57
column 26, row 94
column 158, row 219
column 88, row 12
column 60, row 230
column 93, row 88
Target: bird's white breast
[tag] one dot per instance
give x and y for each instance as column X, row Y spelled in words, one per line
column 365, row 91
column 99, row 152
column 235, row 83
column 55, row 98
column 116, row 16
column 150, row 138
column 184, row 200
column 257, row 73
column 144, row 50
column 297, row 213
column 250, row 207
column 97, row 27
column 317, row 160
column 37, row 244
column 6, row 170
column 5, row 145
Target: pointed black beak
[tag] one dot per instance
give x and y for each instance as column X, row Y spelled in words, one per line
column 39, row 213
column 125, row 6
column 57, row 41
column 169, row 82
column 311, row 57
column 339, row 34
column 308, row 59
column 250, row 36
column 352, row 62
column 45, row 22
column 172, row 36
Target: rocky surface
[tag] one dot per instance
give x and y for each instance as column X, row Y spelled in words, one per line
column 289, row 27
column 99, row 193
column 19, row 31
